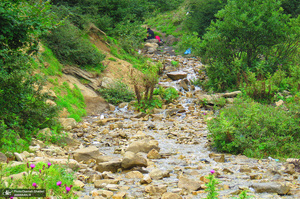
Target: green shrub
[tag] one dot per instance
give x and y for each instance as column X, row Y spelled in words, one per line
column 23, row 106
column 188, row 41
column 69, row 47
column 259, row 89
column 11, row 141
column 291, row 7
column 257, row 38
column 167, row 94
column 147, row 105
column 174, row 63
column 256, row 130
column 117, row 93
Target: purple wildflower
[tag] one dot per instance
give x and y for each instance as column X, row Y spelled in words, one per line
column 49, row 164
column 32, row 166
column 212, row 171
column 68, row 189
column 58, row 183
column 34, row 185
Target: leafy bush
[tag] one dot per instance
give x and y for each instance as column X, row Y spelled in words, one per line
column 257, row 38
column 67, row 44
column 23, row 106
column 117, row 93
column 130, row 36
column 11, row 141
column 259, row 89
column 291, row 7
column 188, row 41
column 144, row 86
column 256, row 130
column 146, row 105
column 167, row 94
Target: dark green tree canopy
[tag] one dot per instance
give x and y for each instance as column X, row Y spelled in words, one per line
column 249, row 35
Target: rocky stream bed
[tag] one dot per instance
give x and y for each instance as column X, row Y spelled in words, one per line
column 125, row 154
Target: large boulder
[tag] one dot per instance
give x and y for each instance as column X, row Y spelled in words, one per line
column 131, row 160
column 144, row 146
column 68, row 123
column 189, row 184
column 86, row 153
column 156, row 189
column 184, row 84
column 112, row 166
column 271, row 187
column 71, row 163
column 158, row 174
column 177, row 75
column 103, row 182
column 3, row 157
column 151, row 47
column 134, row 174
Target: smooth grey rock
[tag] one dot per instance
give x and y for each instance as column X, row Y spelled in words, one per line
column 189, row 184
column 177, row 75
column 86, row 153
column 145, row 146
column 271, row 187
column 131, row 160
column 109, row 166
column 158, row 174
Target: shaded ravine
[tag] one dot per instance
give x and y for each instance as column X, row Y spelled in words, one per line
column 181, row 132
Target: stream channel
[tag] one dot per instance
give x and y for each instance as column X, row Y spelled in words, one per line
column 185, row 157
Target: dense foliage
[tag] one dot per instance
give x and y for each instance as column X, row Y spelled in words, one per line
column 257, row 37
column 257, row 130
column 201, row 13
column 23, row 105
column 117, row 93
column 70, row 47
column 291, row 7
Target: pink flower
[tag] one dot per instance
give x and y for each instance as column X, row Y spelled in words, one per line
column 68, row 189
column 204, row 113
column 58, row 183
column 212, row 171
column 34, row 185
column 32, row 166
column 49, row 164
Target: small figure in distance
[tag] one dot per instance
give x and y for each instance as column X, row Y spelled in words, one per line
column 150, row 34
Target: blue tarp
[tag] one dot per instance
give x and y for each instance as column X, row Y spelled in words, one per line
column 188, row 51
